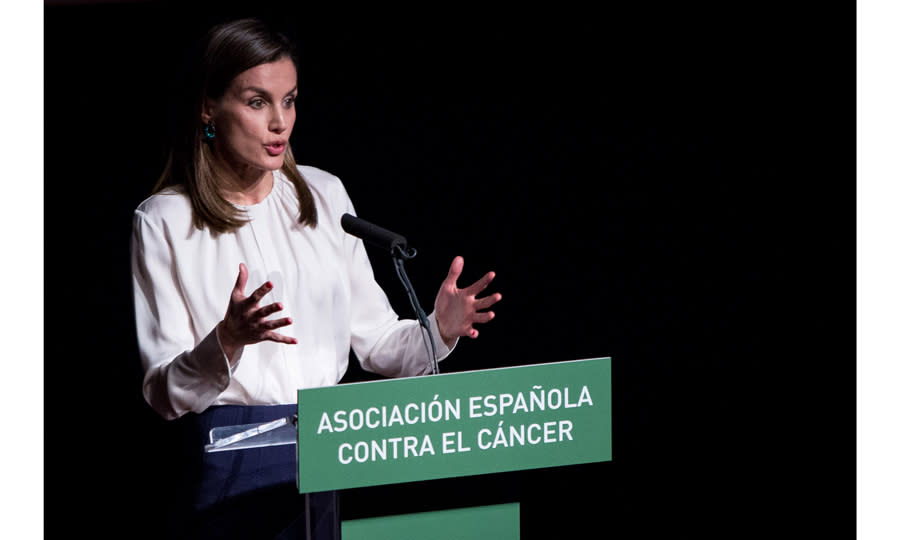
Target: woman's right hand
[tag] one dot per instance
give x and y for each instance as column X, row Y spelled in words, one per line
column 245, row 322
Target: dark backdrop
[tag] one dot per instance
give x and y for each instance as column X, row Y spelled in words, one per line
column 670, row 186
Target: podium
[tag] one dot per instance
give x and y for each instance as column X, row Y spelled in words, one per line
column 443, row 426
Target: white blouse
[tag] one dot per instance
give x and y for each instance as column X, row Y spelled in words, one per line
column 183, row 278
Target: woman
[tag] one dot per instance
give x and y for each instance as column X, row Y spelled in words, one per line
column 246, row 288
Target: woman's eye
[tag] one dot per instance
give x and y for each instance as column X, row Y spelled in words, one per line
column 256, row 103
column 289, row 102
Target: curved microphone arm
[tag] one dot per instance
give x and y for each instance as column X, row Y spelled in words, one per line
column 399, row 254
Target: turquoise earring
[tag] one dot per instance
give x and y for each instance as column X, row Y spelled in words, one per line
column 209, row 131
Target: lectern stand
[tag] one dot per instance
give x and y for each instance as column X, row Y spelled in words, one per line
column 448, row 425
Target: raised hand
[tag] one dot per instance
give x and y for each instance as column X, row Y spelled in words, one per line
column 245, row 322
column 458, row 309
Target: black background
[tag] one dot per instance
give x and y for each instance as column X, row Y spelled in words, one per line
column 669, row 185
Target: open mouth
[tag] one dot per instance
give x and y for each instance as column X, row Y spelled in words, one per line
column 275, row 149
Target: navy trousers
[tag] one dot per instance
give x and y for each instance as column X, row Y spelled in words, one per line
column 249, row 493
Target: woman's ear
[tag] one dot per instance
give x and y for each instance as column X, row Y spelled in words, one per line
column 207, row 110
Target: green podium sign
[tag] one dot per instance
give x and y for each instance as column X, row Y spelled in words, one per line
column 454, row 424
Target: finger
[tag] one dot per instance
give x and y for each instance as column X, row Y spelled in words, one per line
column 486, row 302
column 473, row 333
column 265, row 311
column 261, row 291
column 456, row 268
column 277, row 323
column 278, row 338
column 482, row 283
column 241, row 280
column 483, row 317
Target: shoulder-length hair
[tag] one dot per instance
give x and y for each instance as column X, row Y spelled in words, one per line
column 227, row 50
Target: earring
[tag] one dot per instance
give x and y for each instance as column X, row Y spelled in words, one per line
column 209, row 131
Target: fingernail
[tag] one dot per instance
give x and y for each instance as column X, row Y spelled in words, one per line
column 268, row 284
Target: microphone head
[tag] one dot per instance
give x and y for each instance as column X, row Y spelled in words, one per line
column 372, row 234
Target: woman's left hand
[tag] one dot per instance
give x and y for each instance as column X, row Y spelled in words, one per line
column 458, row 309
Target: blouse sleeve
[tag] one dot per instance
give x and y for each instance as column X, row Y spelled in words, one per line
column 383, row 343
column 181, row 373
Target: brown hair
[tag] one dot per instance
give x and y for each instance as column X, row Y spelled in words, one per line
column 227, row 50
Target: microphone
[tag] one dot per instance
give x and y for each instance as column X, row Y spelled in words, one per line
column 373, row 234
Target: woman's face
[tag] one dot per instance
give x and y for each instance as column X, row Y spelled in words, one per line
column 254, row 117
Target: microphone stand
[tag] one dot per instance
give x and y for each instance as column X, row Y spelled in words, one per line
column 399, row 254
